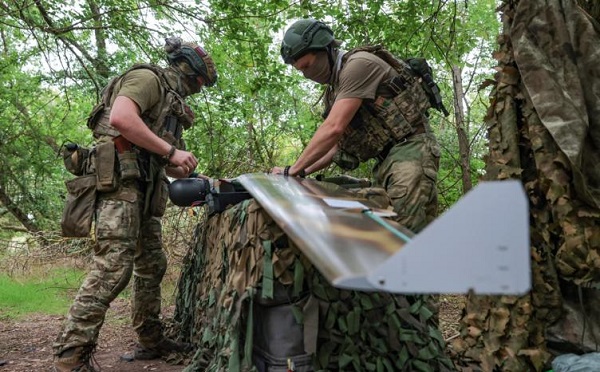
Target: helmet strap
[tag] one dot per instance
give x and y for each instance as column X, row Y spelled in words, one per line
column 330, row 52
column 180, row 87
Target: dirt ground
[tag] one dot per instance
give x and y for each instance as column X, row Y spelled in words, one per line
column 26, row 345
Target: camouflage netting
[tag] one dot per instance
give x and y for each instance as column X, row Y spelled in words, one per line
column 544, row 128
column 241, row 257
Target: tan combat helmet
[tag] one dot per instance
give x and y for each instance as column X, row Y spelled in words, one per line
column 195, row 56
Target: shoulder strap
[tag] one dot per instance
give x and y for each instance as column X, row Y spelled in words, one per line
column 418, row 65
column 422, row 68
column 108, row 90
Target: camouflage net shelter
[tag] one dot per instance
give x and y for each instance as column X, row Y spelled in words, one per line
column 544, row 129
column 247, row 295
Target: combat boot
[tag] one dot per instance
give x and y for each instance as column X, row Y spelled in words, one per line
column 165, row 347
column 75, row 359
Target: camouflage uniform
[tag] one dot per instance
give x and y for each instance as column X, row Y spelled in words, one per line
column 408, row 171
column 128, row 239
column 118, row 253
column 409, row 174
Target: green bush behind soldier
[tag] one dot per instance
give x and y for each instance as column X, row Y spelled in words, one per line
column 355, row 105
column 143, row 113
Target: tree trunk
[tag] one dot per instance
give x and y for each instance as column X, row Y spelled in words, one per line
column 100, row 36
column 463, row 140
column 17, row 212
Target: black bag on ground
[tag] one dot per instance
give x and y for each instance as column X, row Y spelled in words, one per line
column 279, row 340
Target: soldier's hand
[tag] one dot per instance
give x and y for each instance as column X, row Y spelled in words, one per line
column 277, row 170
column 184, row 159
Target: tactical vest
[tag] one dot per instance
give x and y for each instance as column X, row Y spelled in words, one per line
column 386, row 120
column 167, row 122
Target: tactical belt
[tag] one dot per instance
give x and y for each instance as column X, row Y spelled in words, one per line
column 420, row 129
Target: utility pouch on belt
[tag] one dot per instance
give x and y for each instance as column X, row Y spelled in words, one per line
column 128, row 165
column 77, row 216
column 160, row 196
column 345, row 160
column 157, row 190
column 105, row 167
column 128, row 161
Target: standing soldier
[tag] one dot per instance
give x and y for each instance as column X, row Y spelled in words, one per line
column 375, row 108
column 137, row 129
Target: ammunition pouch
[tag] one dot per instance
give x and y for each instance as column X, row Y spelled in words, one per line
column 172, row 130
column 104, row 161
column 401, row 116
column 128, row 165
column 79, row 208
column 365, row 136
column 345, row 160
column 157, row 190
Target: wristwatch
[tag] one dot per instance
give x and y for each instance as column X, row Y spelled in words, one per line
column 286, row 172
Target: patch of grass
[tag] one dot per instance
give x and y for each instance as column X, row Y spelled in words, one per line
column 50, row 289
column 49, row 293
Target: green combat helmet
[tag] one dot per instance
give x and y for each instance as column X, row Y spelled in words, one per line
column 303, row 36
column 195, row 56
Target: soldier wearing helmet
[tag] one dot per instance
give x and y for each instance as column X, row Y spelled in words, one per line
column 137, row 130
column 373, row 111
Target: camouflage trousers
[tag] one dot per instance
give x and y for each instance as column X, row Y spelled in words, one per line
column 126, row 243
column 409, row 175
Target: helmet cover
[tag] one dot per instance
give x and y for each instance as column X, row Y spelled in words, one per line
column 194, row 55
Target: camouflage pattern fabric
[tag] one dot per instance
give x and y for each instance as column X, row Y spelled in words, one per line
column 554, row 63
column 241, row 254
column 409, row 174
column 167, row 103
column 117, row 254
column 539, row 133
column 398, row 108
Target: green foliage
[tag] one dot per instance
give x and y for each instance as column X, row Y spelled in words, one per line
column 50, row 293
column 56, row 57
